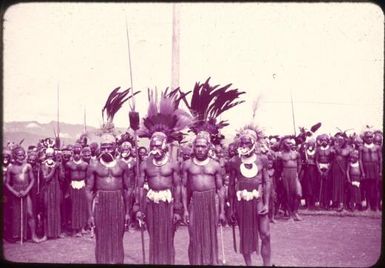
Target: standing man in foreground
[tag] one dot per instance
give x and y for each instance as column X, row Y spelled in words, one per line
column 251, row 206
column 108, row 178
column 161, row 172
column 202, row 187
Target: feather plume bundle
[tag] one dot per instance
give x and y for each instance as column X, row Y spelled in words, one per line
column 113, row 104
column 207, row 104
column 164, row 115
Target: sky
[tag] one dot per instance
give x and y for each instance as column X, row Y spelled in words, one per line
column 327, row 57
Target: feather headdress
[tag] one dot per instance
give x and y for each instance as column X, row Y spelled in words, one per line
column 207, row 104
column 114, row 102
column 252, row 130
column 164, row 115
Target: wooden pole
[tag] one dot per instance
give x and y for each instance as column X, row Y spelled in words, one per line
column 292, row 112
column 175, row 46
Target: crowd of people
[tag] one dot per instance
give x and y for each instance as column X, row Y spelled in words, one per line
column 113, row 186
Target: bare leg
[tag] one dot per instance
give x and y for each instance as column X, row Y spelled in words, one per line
column 247, row 258
column 264, row 232
column 31, row 220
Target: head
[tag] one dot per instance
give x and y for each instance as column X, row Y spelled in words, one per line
column 142, row 153
column 158, row 145
column 310, row 144
column 201, row 148
column 354, row 156
column 19, row 155
column 368, row 137
column 66, row 154
column 6, row 157
column 378, row 139
column 186, row 153
column 49, row 153
column 58, row 155
column 232, row 150
column 32, row 158
column 125, row 150
column 219, row 151
column 247, row 143
column 358, row 142
column 77, row 151
column 86, row 154
column 94, row 149
column 339, row 140
column 288, row 143
column 323, row 140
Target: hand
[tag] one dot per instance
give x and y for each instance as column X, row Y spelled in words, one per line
column 22, row 193
column 176, row 218
column 91, row 221
column 139, row 216
column 186, row 217
column 221, row 219
column 263, row 210
column 126, row 220
column 233, row 218
column 363, row 176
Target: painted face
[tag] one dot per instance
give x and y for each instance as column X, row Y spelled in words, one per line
column 368, row 137
column 125, row 151
column 323, row 140
column 157, row 148
column 107, row 152
column 310, row 146
column 20, row 155
column 201, row 149
column 246, row 146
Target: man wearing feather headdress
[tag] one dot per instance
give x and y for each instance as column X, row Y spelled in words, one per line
column 323, row 158
column 202, row 177
column 108, row 186
column 160, row 171
column 252, row 187
column 371, row 158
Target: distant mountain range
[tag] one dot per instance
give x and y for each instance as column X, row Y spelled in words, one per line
column 33, row 131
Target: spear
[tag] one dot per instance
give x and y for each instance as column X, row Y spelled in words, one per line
column 292, row 111
column 134, row 123
column 57, row 138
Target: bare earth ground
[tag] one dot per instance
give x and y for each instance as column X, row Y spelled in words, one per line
column 321, row 239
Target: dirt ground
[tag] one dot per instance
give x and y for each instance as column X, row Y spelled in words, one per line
column 319, row 240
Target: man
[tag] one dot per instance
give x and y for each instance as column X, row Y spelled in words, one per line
column 323, row 158
column 52, row 176
column 378, row 137
column 125, row 155
column 251, row 206
column 36, row 191
column 142, row 151
column 201, row 185
column 341, row 151
column 111, row 182
column 94, row 150
column 77, row 173
column 7, row 209
column 19, row 181
column 291, row 167
column 371, row 158
column 310, row 175
column 162, row 175
column 86, row 154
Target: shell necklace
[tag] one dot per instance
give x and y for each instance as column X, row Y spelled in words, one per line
column 161, row 162
column 249, row 172
column 201, row 163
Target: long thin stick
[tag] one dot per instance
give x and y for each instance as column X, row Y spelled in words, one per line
column 223, row 248
column 132, row 105
column 142, row 238
column 22, row 221
column 292, row 112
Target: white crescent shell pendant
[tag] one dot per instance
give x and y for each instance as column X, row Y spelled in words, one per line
column 249, row 172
